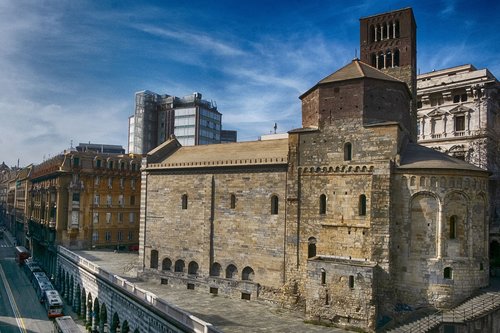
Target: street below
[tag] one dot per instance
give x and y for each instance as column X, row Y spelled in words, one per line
column 20, row 310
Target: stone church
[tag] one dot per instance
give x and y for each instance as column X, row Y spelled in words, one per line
column 347, row 218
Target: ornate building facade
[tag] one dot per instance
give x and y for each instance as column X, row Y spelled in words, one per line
column 83, row 200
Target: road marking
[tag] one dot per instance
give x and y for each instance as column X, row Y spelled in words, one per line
column 13, row 304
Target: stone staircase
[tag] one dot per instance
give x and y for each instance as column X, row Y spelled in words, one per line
column 474, row 308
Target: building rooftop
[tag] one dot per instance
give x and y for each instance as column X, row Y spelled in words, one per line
column 267, row 152
column 416, row 156
column 356, row 69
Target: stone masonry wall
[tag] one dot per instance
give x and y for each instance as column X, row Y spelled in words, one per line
column 248, row 235
column 426, row 243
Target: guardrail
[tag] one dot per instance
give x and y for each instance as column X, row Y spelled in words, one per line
column 192, row 323
column 470, row 310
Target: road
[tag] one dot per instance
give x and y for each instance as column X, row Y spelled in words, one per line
column 18, row 296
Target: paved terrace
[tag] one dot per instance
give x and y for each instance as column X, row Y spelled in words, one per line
column 227, row 314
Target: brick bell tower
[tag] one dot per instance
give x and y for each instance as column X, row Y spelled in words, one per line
column 388, row 42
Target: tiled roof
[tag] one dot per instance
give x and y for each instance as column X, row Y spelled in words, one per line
column 268, row 152
column 416, row 156
column 356, row 70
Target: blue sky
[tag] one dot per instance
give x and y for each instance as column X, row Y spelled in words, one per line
column 69, row 69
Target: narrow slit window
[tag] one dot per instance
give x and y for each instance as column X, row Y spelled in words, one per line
column 347, row 151
column 453, row 227
column 351, row 281
column 362, row 205
column 274, row 204
column 322, row 204
column 184, row 201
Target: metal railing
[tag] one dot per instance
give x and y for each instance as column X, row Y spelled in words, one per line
column 472, row 309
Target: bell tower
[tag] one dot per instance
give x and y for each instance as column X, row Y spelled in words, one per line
column 388, row 42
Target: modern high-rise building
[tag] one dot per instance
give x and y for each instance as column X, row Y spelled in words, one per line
column 193, row 121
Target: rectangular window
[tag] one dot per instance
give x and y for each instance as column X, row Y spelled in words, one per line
column 122, row 182
column 96, row 218
column 132, row 183
column 76, row 196
column 109, row 200
column 95, row 236
column 131, row 217
column 120, row 200
column 75, row 218
column 108, row 217
column 97, row 198
column 459, row 123
column 130, row 236
column 110, row 182
column 120, row 217
column 76, row 162
column 108, row 236
column 132, row 200
column 120, row 235
column 98, row 163
column 97, row 180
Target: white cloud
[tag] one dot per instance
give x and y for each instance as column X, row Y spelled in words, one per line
column 198, row 40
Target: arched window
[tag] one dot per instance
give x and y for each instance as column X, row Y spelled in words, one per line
column 179, row 266
column 379, row 32
column 153, row 263
column 374, row 60
column 362, row 205
column 453, row 227
column 216, row 269
column 380, row 60
column 274, row 204
column 372, row 33
column 448, row 273
column 247, row 274
column 166, row 264
column 391, row 29
column 184, row 201
column 434, row 182
column 233, row 201
column 231, row 272
column 388, row 59
column 422, row 181
column 396, row 29
column 311, row 247
column 322, row 204
column 193, row 268
column 347, row 151
column 396, row 58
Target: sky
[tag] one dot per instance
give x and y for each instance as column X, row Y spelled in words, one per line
column 69, row 69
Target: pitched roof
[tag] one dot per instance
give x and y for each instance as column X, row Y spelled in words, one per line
column 416, row 156
column 356, row 70
column 268, row 152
